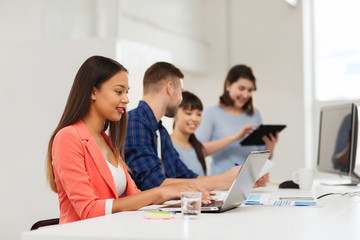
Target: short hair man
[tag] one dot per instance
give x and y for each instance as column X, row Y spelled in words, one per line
column 151, row 165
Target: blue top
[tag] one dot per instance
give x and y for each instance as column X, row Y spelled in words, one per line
column 217, row 123
column 141, row 150
column 189, row 157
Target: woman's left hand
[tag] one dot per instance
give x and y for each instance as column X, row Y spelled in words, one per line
column 270, row 142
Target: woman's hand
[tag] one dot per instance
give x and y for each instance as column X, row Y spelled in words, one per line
column 261, row 182
column 216, row 145
column 270, row 142
column 247, row 129
column 172, row 191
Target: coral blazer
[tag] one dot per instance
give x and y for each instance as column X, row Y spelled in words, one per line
column 82, row 176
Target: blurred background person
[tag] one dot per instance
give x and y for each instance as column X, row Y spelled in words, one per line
column 224, row 124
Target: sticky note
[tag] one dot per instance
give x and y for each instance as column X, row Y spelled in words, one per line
column 159, row 216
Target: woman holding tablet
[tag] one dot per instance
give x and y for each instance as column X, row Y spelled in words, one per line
column 223, row 125
column 84, row 165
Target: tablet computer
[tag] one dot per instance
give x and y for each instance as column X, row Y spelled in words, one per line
column 254, row 138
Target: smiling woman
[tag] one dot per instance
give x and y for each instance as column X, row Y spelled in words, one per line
column 232, row 119
column 186, row 121
column 85, row 166
column 110, row 100
column 107, row 103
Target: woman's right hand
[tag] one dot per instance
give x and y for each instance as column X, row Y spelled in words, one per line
column 173, row 191
column 247, row 129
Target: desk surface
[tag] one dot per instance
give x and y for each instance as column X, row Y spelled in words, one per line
column 338, row 218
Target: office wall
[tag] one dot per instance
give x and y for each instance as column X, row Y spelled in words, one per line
column 43, row 43
column 209, row 85
column 267, row 35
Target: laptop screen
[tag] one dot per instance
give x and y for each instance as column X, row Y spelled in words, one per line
column 245, row 180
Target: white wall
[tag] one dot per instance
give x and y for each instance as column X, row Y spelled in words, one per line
column 43, row 43
column 267, row 35
column 157, row 24
column 209, row 85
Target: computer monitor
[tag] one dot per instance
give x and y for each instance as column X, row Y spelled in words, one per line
column 338, row 141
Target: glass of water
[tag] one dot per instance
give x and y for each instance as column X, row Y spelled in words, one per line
column 191, row 204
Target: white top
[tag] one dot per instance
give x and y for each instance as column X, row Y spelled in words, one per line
column 119, row 178
column 120, row 185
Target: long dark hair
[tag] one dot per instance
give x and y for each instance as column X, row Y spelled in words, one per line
column 192, row 102
column 236, row 72
column 93, row 73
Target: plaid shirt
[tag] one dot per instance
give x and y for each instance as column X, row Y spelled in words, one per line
column 141, row 150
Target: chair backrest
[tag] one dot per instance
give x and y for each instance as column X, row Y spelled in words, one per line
column 43, row 223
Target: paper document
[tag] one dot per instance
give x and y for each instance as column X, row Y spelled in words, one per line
column 288, row 203
column 267, row 167
column 256, row 199
column 264, row 199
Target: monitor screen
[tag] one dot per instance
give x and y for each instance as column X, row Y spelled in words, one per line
column 338, row 139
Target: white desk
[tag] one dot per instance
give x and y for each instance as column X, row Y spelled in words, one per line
column 339, row 218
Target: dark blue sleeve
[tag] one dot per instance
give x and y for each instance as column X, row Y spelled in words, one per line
column 141, row 157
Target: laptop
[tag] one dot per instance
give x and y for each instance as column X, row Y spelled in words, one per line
column 240, row 188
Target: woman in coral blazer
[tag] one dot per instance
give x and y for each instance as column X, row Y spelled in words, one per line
column 86, row 167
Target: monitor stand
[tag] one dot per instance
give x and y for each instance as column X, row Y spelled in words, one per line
column 354, row 181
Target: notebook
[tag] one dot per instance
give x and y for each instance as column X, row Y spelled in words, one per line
column 240, row 188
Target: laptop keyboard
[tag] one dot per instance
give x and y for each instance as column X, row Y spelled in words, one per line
column 213, row 204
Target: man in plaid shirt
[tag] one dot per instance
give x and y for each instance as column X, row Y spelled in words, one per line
column 150, row 164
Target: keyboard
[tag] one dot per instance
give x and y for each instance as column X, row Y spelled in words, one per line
column 213, row 204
